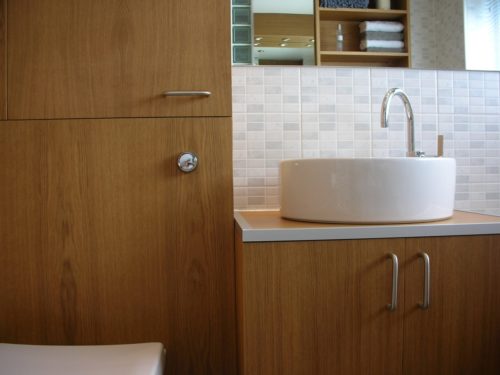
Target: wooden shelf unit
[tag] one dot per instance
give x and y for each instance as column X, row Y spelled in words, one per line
column 360, row 58
column 326, row 21
column 354, row 14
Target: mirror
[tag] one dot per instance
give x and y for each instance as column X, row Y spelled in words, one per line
column 444, row 34
column 282, row 32
column 482, row 34
column 455, row 34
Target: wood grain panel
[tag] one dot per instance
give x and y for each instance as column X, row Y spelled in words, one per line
column 380, row 59
column 318, row 308
column 115, row 58
column 400, row 4
column 360, row 15
column 240, row 303
column 284, row 25
column 460, row 332
column 105, row 241
column 3, row 59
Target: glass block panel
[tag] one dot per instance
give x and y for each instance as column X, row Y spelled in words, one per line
column 241, row 2
column 242, row 16
column 242, row 54
column 242, row 35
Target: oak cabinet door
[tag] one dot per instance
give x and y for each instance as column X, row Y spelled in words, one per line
column 115, row 58
column 103, row 240
column 459, row 333
column 318, row 308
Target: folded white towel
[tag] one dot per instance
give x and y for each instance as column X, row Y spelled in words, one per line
column 388, row 26
column 380, row 44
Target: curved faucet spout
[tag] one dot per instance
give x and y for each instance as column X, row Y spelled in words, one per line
column 410, row 128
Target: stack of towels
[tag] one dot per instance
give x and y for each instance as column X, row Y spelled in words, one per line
column 381, row 36
column 344, row 3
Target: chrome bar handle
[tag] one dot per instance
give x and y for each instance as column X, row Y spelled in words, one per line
column 427, row 281
column 187, row 93
column 395, row 272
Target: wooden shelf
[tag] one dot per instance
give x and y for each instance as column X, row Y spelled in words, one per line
column 362, row 54
column 364, row 58
column 381, row 59
column 341, row 14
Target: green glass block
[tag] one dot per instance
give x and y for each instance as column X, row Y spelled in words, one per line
column 242, row 16
column 241, row 2
column 242, row 35
column 242, row 54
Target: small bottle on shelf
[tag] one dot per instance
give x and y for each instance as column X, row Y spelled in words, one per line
column 383, row 4
column 340, row 38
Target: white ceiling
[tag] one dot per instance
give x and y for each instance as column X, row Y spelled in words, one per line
column 283, row 6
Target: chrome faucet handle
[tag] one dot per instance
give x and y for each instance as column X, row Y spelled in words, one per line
column 416, row 154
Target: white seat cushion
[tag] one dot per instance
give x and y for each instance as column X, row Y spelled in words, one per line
column 132, row 359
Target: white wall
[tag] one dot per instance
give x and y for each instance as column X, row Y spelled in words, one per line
column 283, row 6
column 437, row 34
column 423, row 40
column 450, row 42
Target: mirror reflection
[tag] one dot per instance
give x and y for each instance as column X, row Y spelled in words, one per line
column 283, row 38
column 455, row 34
column 482, row 34
column 282, row 33
column 444, row 34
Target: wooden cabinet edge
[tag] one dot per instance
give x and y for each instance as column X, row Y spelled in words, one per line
column 3, row 59
column 238, row 248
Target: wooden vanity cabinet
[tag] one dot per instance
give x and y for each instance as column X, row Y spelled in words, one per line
column 320, row 307
column 114, row 59
column 460, row 331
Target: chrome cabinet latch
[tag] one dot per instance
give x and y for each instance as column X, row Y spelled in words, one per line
column 187, row 161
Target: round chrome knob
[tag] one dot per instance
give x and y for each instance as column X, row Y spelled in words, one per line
column 187, row 161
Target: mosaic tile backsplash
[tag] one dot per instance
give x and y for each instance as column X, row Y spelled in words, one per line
column 319, row 112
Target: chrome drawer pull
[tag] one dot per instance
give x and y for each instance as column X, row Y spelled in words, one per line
column 187, row 93
column 427, row 281
column 395, row 272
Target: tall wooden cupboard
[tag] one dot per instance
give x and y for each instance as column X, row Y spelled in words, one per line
column 103, row 240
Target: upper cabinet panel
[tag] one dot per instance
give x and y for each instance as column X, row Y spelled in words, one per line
column 3, row 52
column 116, row 58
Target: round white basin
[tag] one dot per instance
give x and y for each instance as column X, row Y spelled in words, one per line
column 368, row 190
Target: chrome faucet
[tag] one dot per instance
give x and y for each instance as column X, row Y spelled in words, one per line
column 410, row 128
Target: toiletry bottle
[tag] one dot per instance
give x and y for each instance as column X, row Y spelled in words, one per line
column 383, row 4
column 340, row 38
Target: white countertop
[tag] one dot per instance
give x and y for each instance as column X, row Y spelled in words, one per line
column 267, row 226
